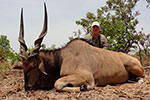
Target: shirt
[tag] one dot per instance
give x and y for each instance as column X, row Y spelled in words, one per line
column 100, row 42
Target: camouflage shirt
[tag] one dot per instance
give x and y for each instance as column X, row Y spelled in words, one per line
column 100, row 42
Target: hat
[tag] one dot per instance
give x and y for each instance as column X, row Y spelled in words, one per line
column 95, row 24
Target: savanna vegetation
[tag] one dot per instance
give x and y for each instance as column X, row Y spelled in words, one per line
column 7, row 55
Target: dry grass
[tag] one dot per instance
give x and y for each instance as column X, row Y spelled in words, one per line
column 12, row 88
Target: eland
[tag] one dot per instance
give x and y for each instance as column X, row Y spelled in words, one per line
column 78, row 66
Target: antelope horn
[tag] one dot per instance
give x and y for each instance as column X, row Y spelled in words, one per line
column 38, row 42
column 23, row 47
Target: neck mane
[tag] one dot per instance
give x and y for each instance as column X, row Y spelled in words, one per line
column 52, row 63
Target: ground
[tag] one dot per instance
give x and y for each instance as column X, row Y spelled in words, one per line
column 12, row 88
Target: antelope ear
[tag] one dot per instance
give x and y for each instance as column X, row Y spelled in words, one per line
column 42, row 68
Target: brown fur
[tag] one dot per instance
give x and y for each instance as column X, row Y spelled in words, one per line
column 34, row 78
column 84, row 64
column 79, row 63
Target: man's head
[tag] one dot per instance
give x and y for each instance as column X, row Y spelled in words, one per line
column 95, row 29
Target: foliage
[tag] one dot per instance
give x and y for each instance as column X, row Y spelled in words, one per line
column 118, row 22
column 76, row 35
column 145, row 43
column 43, row 46
column 143, row 57
column 13, row 57
column 53, row 47
column 4, row 47
column 29, row 50
column 6, row 52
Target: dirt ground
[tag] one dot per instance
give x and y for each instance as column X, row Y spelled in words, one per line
column 12, row 88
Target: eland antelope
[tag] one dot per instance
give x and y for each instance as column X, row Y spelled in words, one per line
column 76, row 66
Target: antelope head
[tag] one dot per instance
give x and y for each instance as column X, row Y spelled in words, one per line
column 31, row 62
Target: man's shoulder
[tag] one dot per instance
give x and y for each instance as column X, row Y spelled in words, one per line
column 103, row 37
column 88, row 36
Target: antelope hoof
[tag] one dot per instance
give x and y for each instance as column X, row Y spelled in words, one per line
column 83, row 88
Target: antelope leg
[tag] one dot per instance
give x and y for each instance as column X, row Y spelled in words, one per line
column 73, row 83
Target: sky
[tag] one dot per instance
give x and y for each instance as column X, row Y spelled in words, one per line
column 62, row 15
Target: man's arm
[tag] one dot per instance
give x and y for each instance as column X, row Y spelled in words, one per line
column 104, row 42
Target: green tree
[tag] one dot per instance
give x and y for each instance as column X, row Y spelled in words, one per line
column 118, row 22
column 6, row 52
column 77, row 34
column 4, row 47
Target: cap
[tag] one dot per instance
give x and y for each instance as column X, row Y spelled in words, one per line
column 95, row 24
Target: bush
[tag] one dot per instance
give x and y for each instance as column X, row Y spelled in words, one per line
column 4, row 47
column 6, row 52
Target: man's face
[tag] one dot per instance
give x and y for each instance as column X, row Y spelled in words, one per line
column 95, row 31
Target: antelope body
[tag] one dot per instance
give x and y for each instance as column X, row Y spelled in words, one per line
column 77, row 66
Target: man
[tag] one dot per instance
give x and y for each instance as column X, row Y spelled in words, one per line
column 96, row 38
